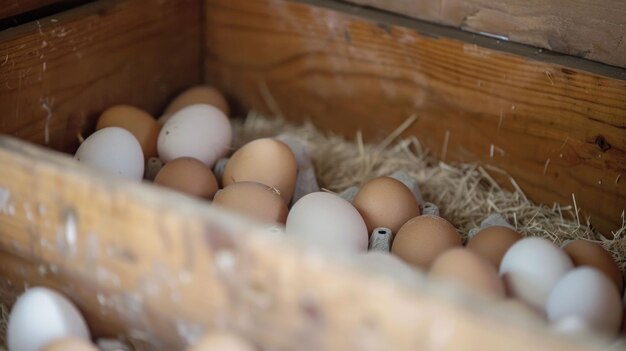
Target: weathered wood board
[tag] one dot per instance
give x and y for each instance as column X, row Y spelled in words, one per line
column 593, row 29
column 165, row 268
column 11, row 8
column 58, row 73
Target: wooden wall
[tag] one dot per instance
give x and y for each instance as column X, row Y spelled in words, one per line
column 58, row 73
column 558, row 131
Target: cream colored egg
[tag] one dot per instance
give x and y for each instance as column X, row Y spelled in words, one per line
column 255, row 200
column 199, row 131
column 266, row 161
column 328, row 222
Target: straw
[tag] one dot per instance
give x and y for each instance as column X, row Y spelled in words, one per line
column 465, row 193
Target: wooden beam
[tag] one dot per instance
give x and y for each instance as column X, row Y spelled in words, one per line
column 593, row 29
column 165, row 268
column 58, row 73
column 558, row 131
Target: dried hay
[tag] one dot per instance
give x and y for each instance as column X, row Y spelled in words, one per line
column 465, row 193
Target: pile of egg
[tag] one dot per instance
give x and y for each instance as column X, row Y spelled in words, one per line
column 384, row 225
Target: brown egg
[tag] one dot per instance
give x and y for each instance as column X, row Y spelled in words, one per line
column 420, row 240
column 385, row 202
column 69, row 344
column 221, row 341
column 188, row 175
column 139, row 123
column 587, row 253
column 493, row 242
column 469, row 270
column 196, row 95
column 266, row 161
column 255, row 200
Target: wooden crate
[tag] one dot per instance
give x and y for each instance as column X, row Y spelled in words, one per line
column 166, row 268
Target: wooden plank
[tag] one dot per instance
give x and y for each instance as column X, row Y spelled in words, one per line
column 58, row 73
column 559, row 132
column 11, row 8
column 166, row 267
column 593, row 29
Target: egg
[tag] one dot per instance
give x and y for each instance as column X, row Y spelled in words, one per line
column 255, row 200
column 571, row 325
column 532, row 267
column 493, row 242
column 587, row 253
column 463, row 267
column 189, row 176
column 587, row 293
column 197, row 95
column 113, row 150
column 222, row 341
column 266, row 161
column 306, row 179
column 40, row 316
column 199, row 131
column 328, row 222
column 386, row 202
column 420, row 240
column 69, row 344
column 521, row 309
column 389, row 266
column 138, row 122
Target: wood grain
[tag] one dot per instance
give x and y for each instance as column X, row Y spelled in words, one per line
column 11, row 8
column 57, row 74
column 559, row 132
column 592, row 29
column 165, row 268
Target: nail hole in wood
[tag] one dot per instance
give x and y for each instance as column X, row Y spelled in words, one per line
column 602, row 144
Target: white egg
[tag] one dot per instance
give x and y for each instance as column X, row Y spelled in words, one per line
column 113, row 150
column 327, row 221
column 571, row 325
column 532, row 267
column 199, row 131
column 588, row 294
column 40, row 316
